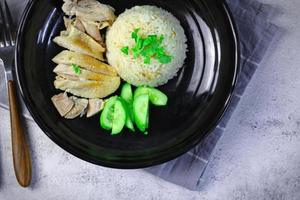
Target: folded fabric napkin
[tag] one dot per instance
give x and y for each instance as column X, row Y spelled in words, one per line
column 256, row 34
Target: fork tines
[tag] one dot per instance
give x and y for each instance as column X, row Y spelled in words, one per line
column 7, row 36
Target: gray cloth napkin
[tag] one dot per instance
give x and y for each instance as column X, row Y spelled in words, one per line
column 256, row 34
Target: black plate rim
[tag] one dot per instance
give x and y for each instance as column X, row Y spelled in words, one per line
column 192, row 141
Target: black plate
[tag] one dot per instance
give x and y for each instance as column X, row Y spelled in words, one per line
column 198, row 95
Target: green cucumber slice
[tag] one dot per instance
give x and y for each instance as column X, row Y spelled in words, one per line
column 106, row 117
column 119, row 118
column 141, row 90
column 129, row 114
column 141, row 112
column 157, row 98
column 126, row 93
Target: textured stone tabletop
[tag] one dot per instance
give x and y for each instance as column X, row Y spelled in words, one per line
column 257, row 158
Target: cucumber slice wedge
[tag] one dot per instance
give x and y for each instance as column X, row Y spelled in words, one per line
column 141, row 90
column 106, row 117
column 129, row 114
column 156, row 97
column 126, row 93
column 119, row 118
column 141, row 112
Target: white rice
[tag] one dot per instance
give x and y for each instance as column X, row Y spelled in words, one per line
column 152, row 21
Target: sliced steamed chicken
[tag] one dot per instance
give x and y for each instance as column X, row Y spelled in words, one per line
column 85, row 62
column 62, row 103
column 73, row 22
column 89, row 10
column 79, row 70
column 87, row 88
column 91, row 16
column 80, row 105
column 71, row 107
column 95, row 80
column 93, row 31
column 67, row 71
column 76, row 40
column 94, row 107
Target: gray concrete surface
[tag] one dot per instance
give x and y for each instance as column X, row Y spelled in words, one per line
column 257, row 158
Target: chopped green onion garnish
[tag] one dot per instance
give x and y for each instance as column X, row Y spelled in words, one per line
column 76, row 69
column 148, row 47
column 147, row 60
column 125, row 50
column 134, row 34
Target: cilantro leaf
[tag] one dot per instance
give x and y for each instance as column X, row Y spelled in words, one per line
column 149, row 40
column 148, row 47
column 164, row 59
column 147, row 60
column 139, row 43
column 161, row 39
column 76, row 69
column 160, row 51
column 148, row 52
column 134, row 34
column 125, row 50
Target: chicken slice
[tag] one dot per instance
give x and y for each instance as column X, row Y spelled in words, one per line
column 68, row 22
column 76, row 40
column 62, row 103
column 79, row 107
column 103, row 25
column 68, row 72
column 69, row 7
column 79, row 25
column 88, row 89
column 94, row 107
column 93, row 31
column 73, row 22
column 84, row 61
column 89, row 10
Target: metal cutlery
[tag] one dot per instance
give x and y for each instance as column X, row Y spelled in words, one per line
column 20, row 148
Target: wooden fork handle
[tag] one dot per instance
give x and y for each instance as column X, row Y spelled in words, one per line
column 20, row 148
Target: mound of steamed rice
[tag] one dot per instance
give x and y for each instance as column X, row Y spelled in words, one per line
column 152, row 21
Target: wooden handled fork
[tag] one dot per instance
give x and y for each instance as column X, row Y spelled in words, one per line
column 20, row 149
